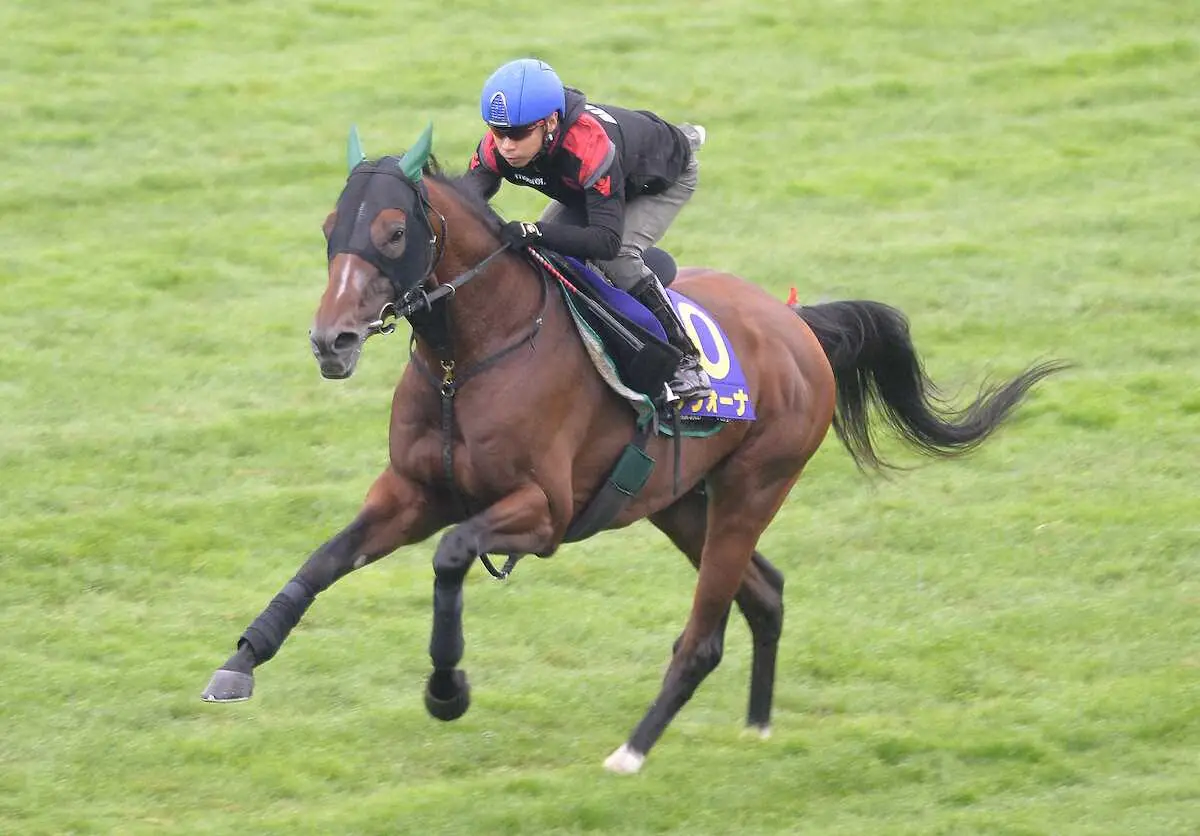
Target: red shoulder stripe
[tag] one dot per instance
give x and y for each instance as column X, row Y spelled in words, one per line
column 589, row 143
column 485, row 154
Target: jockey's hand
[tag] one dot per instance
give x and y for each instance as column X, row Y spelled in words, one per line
column 518, row 234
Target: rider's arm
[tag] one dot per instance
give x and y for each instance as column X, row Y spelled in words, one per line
column 601, row 238
column 593, row 165
column 482, row 177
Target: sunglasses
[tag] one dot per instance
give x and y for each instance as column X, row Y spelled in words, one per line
column 516, row 134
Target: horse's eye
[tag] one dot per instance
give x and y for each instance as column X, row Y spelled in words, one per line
column 396, row 236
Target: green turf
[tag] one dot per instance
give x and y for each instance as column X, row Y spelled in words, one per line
column 1002, row 645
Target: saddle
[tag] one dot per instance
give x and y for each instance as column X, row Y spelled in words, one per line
column 630, row 334
column 637, row 360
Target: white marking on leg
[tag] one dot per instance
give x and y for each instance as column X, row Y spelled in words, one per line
column 624, row 761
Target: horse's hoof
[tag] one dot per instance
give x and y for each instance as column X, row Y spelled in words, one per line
column 624, row 761
column 229, row 686
column 447, row 694
column 755, row 730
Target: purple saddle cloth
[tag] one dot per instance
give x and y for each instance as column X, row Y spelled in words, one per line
column 730, row 400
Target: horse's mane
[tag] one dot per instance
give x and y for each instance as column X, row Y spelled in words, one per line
column 478, row 206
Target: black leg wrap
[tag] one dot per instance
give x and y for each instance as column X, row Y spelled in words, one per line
column 272, row 626
column 446, row 643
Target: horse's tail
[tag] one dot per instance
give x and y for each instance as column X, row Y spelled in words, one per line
column 874, row 363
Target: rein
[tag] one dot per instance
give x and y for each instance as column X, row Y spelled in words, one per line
column 421, row 300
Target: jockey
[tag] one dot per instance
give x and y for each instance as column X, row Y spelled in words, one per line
column 617, row 179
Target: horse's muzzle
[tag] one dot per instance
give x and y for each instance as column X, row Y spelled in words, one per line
column 336, row 351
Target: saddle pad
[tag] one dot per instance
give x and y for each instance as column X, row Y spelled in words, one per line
column 730, row 400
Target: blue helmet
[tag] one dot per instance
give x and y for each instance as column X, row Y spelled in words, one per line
column 520, row 93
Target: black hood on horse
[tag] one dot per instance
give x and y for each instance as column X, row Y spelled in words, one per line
column 362, row 200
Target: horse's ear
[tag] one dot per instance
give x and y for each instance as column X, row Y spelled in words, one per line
column 354, row 149
column 414, row 158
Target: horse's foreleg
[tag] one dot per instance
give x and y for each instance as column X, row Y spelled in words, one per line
column 760, row 599
column 519, row 523
column 395, row 513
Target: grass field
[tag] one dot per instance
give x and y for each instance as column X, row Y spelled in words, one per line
column 1002, row 645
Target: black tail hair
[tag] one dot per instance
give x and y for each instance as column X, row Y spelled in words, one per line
column 875, row 364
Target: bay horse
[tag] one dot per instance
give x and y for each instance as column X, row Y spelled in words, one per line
column 502, row 429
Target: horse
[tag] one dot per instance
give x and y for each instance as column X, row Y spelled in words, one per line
column 501, row 429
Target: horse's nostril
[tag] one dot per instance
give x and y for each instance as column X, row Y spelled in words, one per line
column 345, row 341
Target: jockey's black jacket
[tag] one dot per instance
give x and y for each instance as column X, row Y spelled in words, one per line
column 600, row 157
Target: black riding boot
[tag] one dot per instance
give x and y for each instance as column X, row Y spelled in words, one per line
column 691, row 381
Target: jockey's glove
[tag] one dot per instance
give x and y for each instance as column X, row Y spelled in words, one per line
column 519, row 234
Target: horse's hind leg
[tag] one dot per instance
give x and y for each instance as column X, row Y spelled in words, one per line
column 394, row 513
column 760, row 599
column 740, row 505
